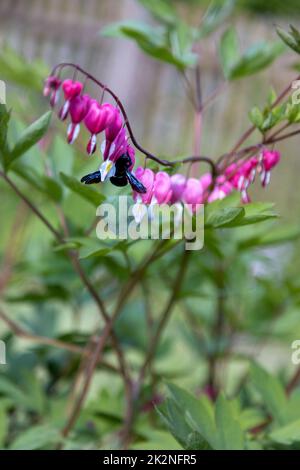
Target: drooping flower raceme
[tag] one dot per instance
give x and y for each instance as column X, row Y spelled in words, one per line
column 241, row 176
column 163, row 189
column 149, row 188
column 118, row 154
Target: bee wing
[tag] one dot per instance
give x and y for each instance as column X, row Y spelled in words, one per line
column 135, row 183
column 92, row 178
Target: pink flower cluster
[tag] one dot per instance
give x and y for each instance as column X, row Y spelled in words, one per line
column 157, row 188
column 241, row 176
column 161, row 188
column 165, row 189
column 96, row 117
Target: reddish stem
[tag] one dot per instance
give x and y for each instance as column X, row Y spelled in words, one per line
column 148, row 154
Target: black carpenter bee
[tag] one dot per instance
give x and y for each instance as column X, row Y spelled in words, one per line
column 121, row 175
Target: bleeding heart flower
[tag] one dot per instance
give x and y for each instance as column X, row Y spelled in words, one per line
column 269, row 159
column 193, row 193
column 206, row 181
column 241, row 176
column 247, row 173
column 51, row 87
column 220, row 191
column 162, row 191
column 111, row 131
column 118, row 148
column 79, row 107
column 96, row 121
column 158, row 191
column 71, row 89
column 178, row 183
column 146, row 177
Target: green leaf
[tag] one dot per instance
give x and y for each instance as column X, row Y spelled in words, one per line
column 272, row 97
column 73, row 243
column 91, row 248
column 153, row 41
column 270, row 121
column 89, row 252
column 278, row 235
column 250, row 418
column 196, row 442
column 3, row 423
column 291, row 38
column 37, row 396
column 174, row 419
column 258, row 212
column 220, row 213
column 288, row 434
column 18, row 70
column 42, row 183
column 271, row 392
column 9, row 389
column 228, row 51
column 157, row 440
column 199, row 414
column 216, row 14
column 292, row 112
column 131, row 327
column 61, row 156
column 180, row 41
column 51, row 292
column 256, row 117
column 229, row 433
column 37, row 437
column 89, row 194
column 30, row 137
column 4, row 118
column 224, row 217
column 162, row 10
column 256, row 58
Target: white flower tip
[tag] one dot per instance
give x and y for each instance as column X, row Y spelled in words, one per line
column 107, row 170
column 139, row 211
